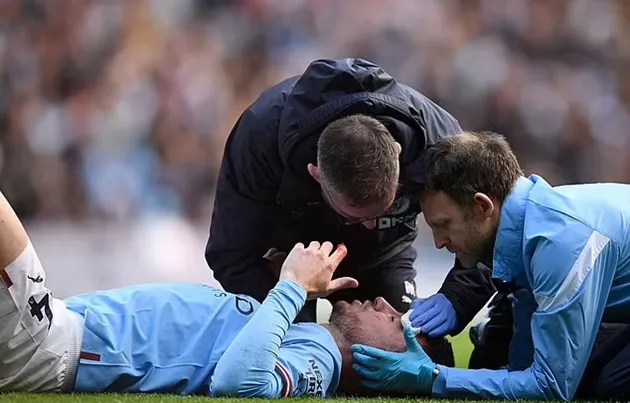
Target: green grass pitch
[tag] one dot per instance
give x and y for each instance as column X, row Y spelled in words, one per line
column 26, row 398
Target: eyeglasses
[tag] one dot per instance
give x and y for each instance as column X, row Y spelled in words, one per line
column 343, row 220
column 353, row 221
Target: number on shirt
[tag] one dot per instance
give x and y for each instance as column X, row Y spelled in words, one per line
column 41, row 308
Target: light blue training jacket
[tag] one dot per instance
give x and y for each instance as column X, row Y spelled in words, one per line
column 568, row 250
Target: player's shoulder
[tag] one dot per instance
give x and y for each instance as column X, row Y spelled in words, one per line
column 308, row 332
column 310, row 354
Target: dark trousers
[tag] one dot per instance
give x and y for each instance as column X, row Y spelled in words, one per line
column 492, row 337
column 607, row 375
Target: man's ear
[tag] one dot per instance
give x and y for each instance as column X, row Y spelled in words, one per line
column 397, row 147
column 314, row 172
column 484, row 204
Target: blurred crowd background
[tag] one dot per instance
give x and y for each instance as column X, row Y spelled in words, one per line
column 116, row 111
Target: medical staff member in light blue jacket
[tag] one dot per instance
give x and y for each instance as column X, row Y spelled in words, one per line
column 564, row 252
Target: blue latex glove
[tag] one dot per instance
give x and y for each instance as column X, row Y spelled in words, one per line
column 435, row 316
column 409, row 372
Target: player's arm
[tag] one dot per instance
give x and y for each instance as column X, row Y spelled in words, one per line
column 245, row 209
column 13, row 237
column 250, row 366
column 256, row 365
column 571, row 280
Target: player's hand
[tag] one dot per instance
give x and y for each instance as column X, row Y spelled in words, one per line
column 276, row 259
column 313, row 268
column 435, row 316
column 409, row 372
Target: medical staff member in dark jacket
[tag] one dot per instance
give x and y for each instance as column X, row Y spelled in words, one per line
column 335, row 155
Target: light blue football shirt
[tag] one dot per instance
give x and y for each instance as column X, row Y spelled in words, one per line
column 170, row 337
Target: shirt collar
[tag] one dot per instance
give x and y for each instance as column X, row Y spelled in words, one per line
column 508, row 249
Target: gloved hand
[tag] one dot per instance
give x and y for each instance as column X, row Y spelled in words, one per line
column 435, row 316
column 409, row 372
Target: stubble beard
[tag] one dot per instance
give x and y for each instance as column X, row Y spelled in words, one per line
column 481, row 247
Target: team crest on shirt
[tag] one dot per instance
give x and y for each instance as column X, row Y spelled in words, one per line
column 399, row 206
column 399, row 213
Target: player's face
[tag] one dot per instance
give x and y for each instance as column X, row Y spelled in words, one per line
column 469, row 235
column 375, row 324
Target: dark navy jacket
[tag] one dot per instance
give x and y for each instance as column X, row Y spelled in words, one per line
column 266, row 198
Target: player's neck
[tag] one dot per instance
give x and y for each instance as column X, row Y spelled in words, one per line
column 342, row 342
column 350, row 383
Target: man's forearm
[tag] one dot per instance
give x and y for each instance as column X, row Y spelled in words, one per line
column 491, row 384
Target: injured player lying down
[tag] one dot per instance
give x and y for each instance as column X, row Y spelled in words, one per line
column 185, row 338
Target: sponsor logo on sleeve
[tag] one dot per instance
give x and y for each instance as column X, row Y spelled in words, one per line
column 314, row 380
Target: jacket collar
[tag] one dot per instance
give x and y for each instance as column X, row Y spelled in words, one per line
column 508, row 249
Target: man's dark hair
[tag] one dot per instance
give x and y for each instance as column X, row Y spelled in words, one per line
column 357, row 160
column 439, row 350
column 470, row 162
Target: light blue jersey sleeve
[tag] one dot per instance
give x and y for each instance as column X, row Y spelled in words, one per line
column 270, row 358
column 570, row 277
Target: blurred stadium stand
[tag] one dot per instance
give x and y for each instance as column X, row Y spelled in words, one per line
column 113, row 113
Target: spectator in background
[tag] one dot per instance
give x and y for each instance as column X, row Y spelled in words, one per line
column 146, row 91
